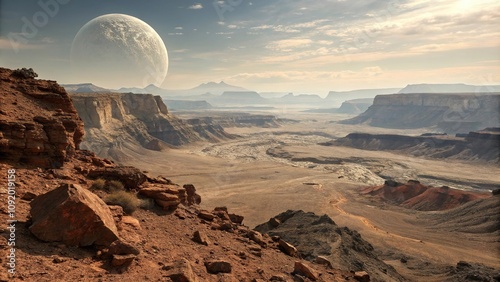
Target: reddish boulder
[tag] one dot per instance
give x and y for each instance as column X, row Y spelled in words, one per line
column 74, row 216
column 306, row 270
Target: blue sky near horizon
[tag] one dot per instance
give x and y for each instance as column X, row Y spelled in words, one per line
column 301, row 46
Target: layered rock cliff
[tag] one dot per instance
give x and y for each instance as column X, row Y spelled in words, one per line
column 451, row 113
column 113, row 120
column 38, row 124
column 477, row 146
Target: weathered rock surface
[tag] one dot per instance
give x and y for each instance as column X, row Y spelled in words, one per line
column 415, row 195
column 452, row 113
column 483, row 145
column 218, row 266
column 74, row 216
column 169, row 196
column 306, row 270
column 181, row 271
column 114, row 119
column 315, row 236
column 130, row 177
column 39, row 125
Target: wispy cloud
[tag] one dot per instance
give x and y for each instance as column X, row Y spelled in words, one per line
column 196, row 6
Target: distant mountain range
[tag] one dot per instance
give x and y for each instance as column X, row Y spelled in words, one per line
column 84, row 88
column 222, row 94
column 204, row 88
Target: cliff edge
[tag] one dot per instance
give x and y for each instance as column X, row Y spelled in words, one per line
column 38, row 124
column 115, row 120
column 450, row 113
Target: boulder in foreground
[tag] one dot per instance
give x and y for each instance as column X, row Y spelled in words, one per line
column 74, row 216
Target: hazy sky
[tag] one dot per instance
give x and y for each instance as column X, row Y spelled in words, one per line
column 301, row 46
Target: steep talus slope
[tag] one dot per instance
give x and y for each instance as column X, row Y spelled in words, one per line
column 479, row 216
column 450, row 113
column 315, row 236
column 38, row 124
column 113, row 120
column 483, row 145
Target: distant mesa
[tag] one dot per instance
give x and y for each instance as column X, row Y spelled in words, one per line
column 187, row 105
column 479, row 146
column 450, row 113
column 301, row 98
column 449, row 88
column 341, row 96
column 350, row 107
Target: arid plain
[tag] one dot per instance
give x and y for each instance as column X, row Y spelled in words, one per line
column 266, row 171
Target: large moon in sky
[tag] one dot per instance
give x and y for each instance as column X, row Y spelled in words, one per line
column 117, row 50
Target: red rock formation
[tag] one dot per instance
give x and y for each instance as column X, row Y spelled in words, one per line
column 72, row 215
column 38, row 124
column 415, row 195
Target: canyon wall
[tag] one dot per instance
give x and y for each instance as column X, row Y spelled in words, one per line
column 38, row 124
column 113, row 120
column 481, row 146
column 451, row 113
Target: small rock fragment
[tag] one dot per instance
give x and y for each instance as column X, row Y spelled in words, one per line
column 305, row 270
column 122, row 260
column 181, row 271
column 361, row 276
column 201, row 238
column 288, row 248
column 206, row 215
column 218, row 266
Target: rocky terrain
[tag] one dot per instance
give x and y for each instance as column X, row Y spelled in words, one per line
column 415, row 195
column 89, row 219
column 483, row 145
column 43, row 128
column 450, row 113
column 113, row 120
column 318, row 238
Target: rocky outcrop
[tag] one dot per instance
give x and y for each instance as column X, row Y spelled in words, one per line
column 74, row 216
column 451, row 113
column 483, row 145
column 130, row 177
column 113, row 120
column 315, row 236
column 417, row 196
column 38, row 124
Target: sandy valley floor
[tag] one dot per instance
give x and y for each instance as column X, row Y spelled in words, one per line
column 240, row 174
